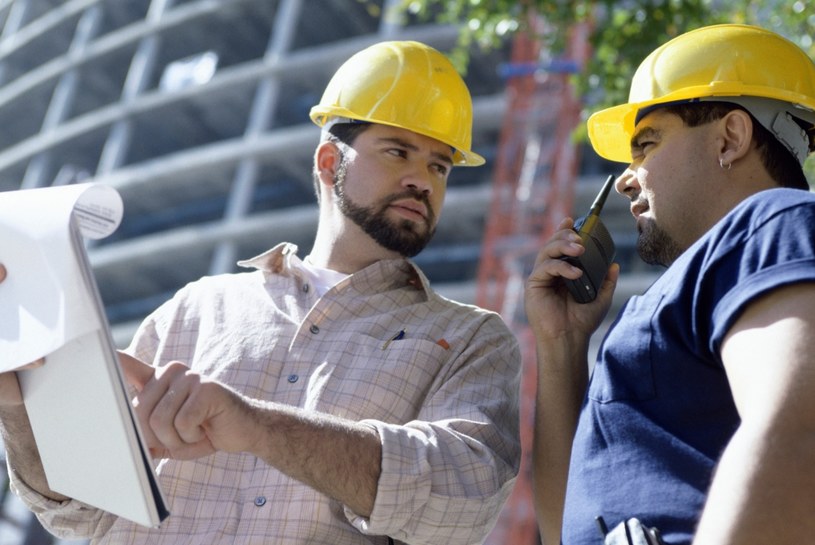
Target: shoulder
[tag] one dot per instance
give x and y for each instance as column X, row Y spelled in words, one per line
column 211, row 292
column 780, row 204
column 209, row 286
column 464, row 310
column 463, row 315
column 767, row 223
column 766, row 243
column 481, row 326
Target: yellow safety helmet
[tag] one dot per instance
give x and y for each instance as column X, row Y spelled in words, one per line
column 723, row 63
column 403, row 84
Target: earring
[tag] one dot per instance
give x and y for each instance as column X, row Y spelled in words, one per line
column 721, row 164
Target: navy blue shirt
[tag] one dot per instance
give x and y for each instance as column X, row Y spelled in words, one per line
column 658, row 411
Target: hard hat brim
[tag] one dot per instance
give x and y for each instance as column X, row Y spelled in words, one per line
column 408, row 85
column 610, row 130
column 321, row 115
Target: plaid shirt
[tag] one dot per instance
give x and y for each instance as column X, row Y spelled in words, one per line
column 443, row 396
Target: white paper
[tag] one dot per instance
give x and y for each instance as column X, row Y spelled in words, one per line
column 46, row 299
column 88, row 438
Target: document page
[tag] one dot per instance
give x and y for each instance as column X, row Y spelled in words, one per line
column 88, row 437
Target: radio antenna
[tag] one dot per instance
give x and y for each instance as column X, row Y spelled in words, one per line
column 598, row 203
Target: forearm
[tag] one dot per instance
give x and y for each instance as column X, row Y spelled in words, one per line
column 337, row 457
column 762, row 491
column 21, row 450
column 185, row 415
column 562, row 379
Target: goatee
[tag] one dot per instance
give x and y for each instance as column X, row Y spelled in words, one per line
column 403, row 236
column 655, row 246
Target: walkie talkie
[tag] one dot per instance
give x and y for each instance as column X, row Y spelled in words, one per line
column 599, row 254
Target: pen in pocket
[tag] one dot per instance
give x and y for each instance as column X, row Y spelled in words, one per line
column 397, row 337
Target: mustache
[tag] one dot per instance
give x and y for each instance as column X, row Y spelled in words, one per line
column 415, row 194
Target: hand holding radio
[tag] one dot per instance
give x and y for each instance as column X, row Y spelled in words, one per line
column 599, row 254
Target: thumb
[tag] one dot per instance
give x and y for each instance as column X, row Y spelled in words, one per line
column 136, row 371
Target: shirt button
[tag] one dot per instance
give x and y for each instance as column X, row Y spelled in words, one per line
column 292, row 378
column 260, row 501
column 314, row 329
column 305, row 288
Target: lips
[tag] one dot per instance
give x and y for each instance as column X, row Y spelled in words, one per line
column 411, row 206
column 638, row 207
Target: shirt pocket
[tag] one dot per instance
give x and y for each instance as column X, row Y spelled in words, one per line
column 382, row 380
column 624, row 370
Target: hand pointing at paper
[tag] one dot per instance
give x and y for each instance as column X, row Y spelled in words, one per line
column 185, row 415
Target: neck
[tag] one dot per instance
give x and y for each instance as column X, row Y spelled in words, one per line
column 346, row 252
column 340, row 244
column 747, row 177
column 729, row 188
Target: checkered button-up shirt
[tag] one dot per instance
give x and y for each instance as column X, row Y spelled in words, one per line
column 438, row 380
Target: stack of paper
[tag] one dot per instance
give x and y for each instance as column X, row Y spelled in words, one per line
column 88, row 437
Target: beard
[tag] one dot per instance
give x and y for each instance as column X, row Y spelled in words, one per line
column 655, row 246
column 403, row 236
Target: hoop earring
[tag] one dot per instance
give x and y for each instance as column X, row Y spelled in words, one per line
column 721, row 164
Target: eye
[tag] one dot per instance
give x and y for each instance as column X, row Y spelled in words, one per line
column 440, row 168
column 641, row 147
column 397, row 152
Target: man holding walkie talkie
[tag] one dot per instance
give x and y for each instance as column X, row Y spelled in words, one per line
column 697, row 424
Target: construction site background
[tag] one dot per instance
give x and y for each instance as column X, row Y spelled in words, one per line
column 196, row 112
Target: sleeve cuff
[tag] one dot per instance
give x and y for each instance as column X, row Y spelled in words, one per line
column 69, row 519
column 404, row 481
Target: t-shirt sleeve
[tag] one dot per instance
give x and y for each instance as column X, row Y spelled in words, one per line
column 775, row 250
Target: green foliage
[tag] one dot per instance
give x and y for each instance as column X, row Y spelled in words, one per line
column 484, row 24
column 629, row 36
column 623, row 32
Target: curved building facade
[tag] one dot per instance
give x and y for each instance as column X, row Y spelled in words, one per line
column 196, row 111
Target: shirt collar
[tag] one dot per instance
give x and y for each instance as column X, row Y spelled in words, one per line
column 275, row 260
column 282, row 259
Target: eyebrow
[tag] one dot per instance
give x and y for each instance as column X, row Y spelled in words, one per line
column 645, row 132
column 407, row 145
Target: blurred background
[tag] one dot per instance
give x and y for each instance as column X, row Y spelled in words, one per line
column 196, row 111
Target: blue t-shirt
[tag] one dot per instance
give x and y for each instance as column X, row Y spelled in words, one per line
column 658, row 411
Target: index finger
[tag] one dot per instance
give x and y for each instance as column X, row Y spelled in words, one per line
column 136, row 371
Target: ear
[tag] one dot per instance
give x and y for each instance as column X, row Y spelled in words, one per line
column 327, row 160
column 736, row 136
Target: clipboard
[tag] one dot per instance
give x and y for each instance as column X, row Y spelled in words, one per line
column 88, row 437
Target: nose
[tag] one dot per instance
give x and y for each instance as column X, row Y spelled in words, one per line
column 627, row 182
column 420, row 181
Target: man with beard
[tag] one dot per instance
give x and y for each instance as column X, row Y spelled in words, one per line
column 335, row 399
column 698, row 420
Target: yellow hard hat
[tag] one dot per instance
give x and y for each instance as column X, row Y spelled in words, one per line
column 719, row 62
column 403, row 84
